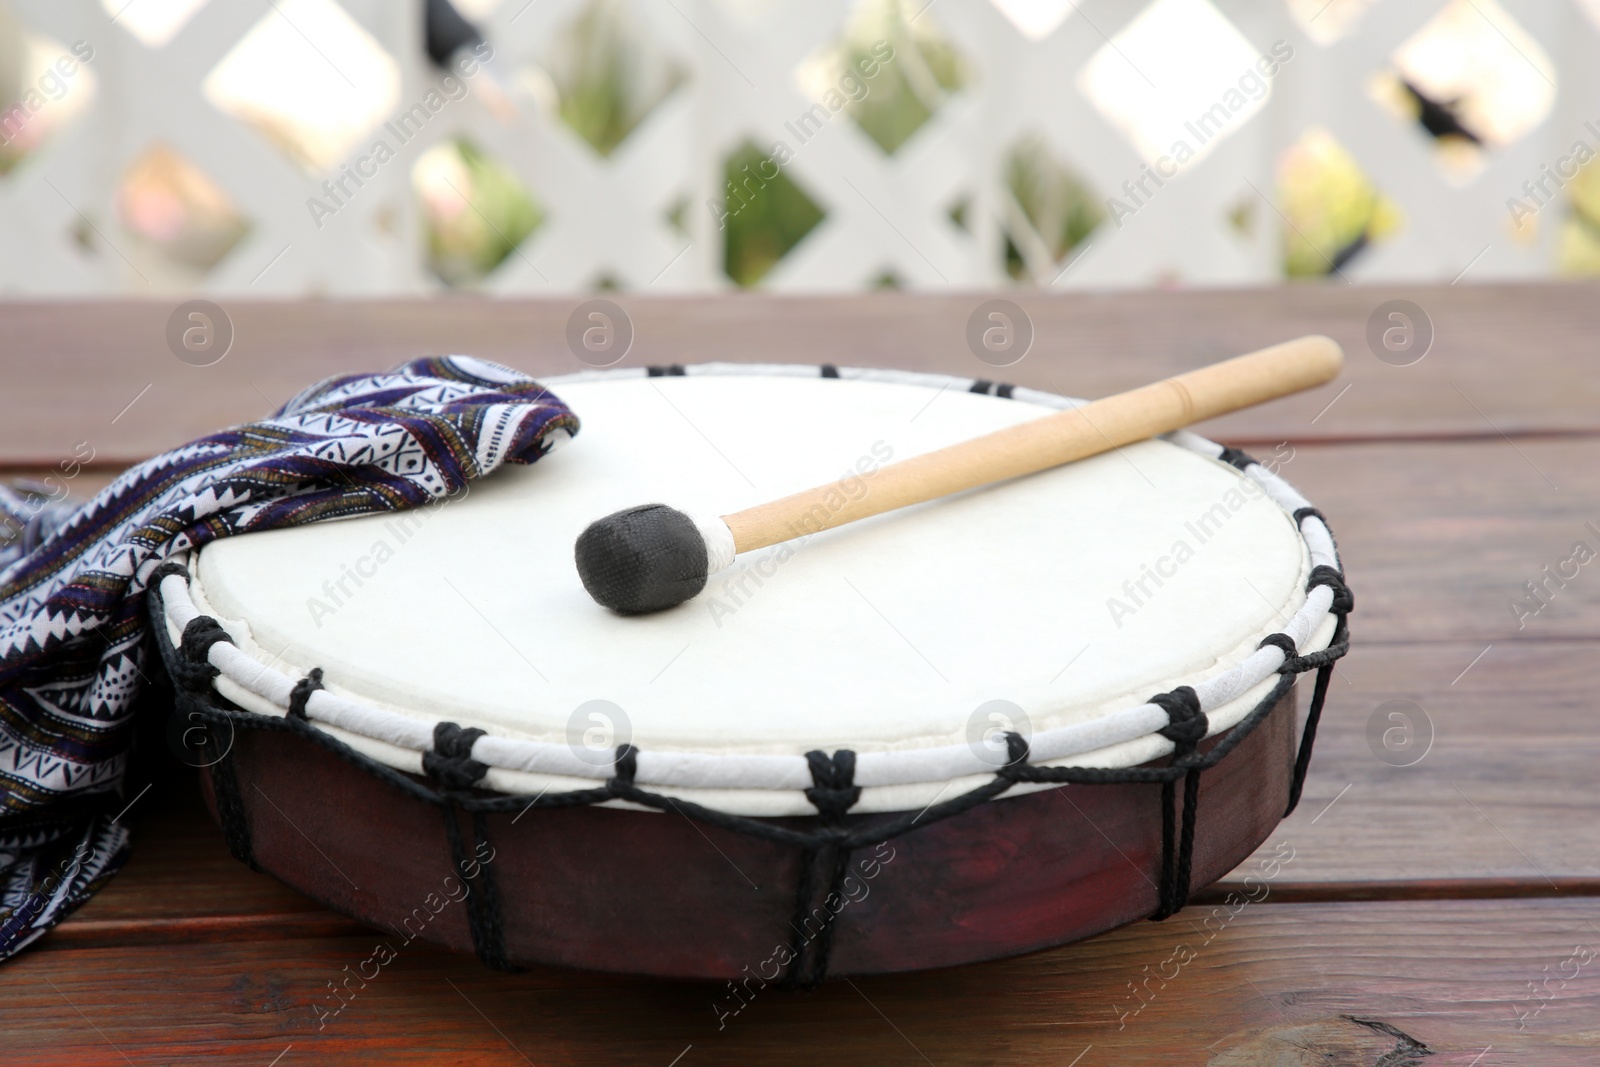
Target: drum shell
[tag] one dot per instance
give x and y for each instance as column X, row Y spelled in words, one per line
column 658, row 894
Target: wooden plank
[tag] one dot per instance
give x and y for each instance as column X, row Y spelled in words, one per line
column 101, row 373
column 181, row 870
column 1267, row 984
column 302, row 920
column 1438, row 538
column 1503, row 793
column 89, row 480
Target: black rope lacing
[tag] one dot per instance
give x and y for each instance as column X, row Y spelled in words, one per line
column 302, row 692
column 450, row 764
column 820, row 895
column 1186, row 728
column 452, row 769
column 453, row 779
column 1344, row 602
column 1236, row 458
column 193, row 670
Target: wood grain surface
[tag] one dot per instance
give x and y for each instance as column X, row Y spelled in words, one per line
column 1505, row 358
column 1442, row 912
column 1273, row 984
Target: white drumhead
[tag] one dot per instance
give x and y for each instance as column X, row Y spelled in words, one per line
column 1071, row 594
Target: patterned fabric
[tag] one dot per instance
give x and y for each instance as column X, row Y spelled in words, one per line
column 74, row 654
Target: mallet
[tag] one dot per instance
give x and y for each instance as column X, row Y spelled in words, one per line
column 647, row 558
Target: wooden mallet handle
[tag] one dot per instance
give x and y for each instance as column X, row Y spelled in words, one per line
column 652, row 557
column 1040, row 444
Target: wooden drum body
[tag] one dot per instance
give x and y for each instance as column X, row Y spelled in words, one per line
column 638, row 893
column 979, row 727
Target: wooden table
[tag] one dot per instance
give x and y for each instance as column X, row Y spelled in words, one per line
column 1446, row 907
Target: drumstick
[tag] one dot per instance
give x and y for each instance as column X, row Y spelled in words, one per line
column 651, row 557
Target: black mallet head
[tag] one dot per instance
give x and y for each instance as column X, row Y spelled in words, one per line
column 642, row 559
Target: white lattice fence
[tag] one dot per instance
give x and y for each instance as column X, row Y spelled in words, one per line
column 608, row 217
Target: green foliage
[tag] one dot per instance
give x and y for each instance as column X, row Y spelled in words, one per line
column 464, row 246
column 765, row 217
column 1060, row 208
column 609, row 76
column 1331, row 207
column 909, row 87
column 1579, row 234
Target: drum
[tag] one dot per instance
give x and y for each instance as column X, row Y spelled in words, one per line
column 972, row 728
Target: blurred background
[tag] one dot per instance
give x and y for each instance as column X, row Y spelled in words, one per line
column 328, row 147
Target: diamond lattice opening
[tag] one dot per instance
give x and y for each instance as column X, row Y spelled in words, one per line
column 152, row 22
column 1326, row 21
column 1035, row 19
column 1332, row 211
column 764, row 214
column 1179, row 79
column 1048, row 211
column 959, row 211
column 891, row 72
column 1242, row 217
column 677, row 216
column 309, row 78
column 475, row 212
column 44, row 87
column 180, row 222
column 1473, row 79
column 605, row 74
column 1579, row 250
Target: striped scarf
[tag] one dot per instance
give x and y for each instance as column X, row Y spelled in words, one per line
column 74, row 653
